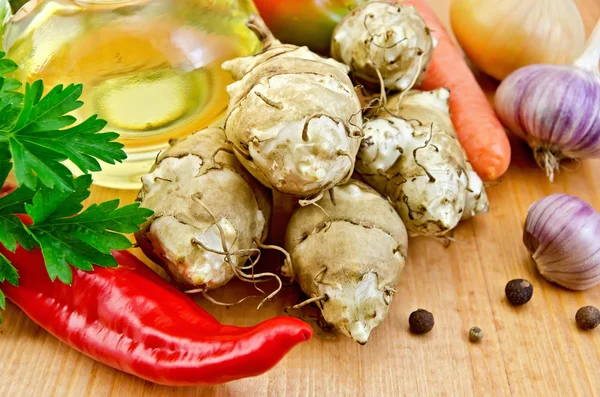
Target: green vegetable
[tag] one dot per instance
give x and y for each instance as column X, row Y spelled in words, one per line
column 15, row 5
column 36, row 136
column 34, row 130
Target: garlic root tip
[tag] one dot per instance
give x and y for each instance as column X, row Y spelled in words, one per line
column 548, row 160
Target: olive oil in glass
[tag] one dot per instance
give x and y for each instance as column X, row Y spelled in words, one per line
column 150, row 68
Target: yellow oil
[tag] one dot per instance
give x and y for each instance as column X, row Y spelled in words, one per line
column 150, row 68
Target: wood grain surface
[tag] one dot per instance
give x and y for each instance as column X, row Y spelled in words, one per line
column 535, row 350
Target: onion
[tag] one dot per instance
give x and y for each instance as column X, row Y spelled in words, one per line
column 561, row 232
column 556, row 109
column 500, row 36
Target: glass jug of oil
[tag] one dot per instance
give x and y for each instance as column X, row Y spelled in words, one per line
column 150, row 68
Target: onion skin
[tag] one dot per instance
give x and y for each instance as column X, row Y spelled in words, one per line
column 555, row 109
column 501, row 36
column 561, row 232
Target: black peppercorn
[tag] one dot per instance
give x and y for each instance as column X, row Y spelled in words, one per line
column 588, row 317
column 421, row 321
column 475, row 334
column 518, row 292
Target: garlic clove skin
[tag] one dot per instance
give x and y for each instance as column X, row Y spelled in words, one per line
column 554, row 109
column 561, row 232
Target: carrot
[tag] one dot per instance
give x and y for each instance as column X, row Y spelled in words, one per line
column 479, row 130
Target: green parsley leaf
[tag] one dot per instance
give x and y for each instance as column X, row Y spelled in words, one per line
column 100, row 225
column 8, row 272
column 2, row 303
column 7, row 65
column 14, row 203
column 31, row 166
column 10, row 99
column 54, row 204
column 5, row 164
column 37, row 135
column 40, row 140
column 9, row 85
column 13, row 231
column 67, row 236
column 62, row 249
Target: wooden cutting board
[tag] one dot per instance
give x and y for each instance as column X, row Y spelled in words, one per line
column 535, row 350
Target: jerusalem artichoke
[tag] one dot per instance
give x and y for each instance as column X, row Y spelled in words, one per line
column 209, row 213
column 294, row 119
column 416, row 161
column 434, row 107
column 348, row 256
column 384, row 42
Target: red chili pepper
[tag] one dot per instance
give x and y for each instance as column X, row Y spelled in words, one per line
column 7, row 188
column 131, row 319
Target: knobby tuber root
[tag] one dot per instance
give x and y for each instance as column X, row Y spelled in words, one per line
column 434, row 107
column 412, row 156
column 348, row 256
column 294, row 119
column 209, row 212
column 382, row 40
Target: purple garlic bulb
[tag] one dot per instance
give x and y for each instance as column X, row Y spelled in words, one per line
column 561, row 232
column 556, row 109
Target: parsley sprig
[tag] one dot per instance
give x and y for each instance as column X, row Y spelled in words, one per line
column 37, row 135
